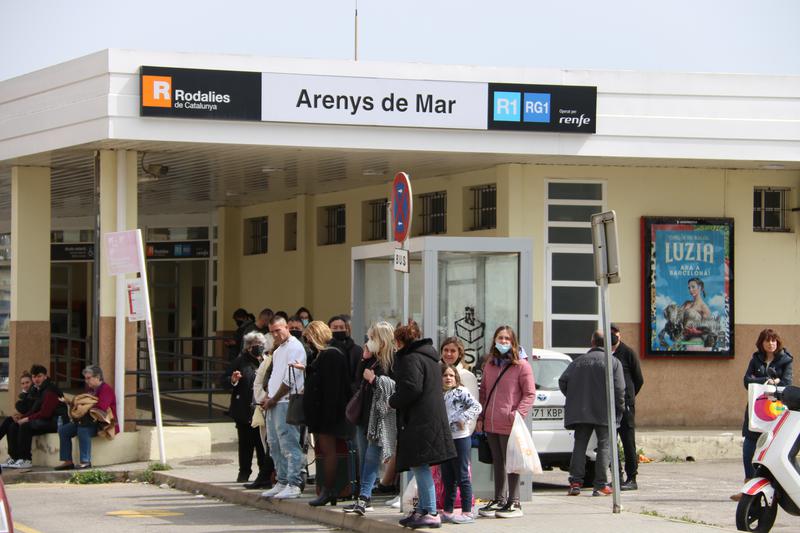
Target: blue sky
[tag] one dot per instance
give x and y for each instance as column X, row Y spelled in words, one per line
column 744, row 36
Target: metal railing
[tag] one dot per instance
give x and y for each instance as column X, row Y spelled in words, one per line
column 68, row 356
column 190, row 371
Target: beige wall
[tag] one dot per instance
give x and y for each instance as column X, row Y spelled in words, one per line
column 765, row 264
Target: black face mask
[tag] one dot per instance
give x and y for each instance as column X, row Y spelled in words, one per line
column 340, row 335
column 614, row 339
column 257, row 350
column 297, row 334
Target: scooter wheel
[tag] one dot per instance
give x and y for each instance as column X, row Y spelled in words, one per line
column 753, row 513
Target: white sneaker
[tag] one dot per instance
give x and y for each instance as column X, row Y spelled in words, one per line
column 288, row 493
column 273, row 491
column 21, row 463
column 394, row 502
column 10, row 461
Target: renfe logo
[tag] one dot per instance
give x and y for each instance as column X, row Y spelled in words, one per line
column 157, row 91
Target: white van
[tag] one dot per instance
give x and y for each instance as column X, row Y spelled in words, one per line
column 552, row 440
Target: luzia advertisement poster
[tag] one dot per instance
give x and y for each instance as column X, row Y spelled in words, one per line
column 688, row 287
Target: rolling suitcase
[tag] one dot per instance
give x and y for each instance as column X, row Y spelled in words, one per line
column 346, row 484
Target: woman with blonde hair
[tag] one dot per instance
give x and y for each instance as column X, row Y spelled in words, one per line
column 378, row 420
column 327, row 391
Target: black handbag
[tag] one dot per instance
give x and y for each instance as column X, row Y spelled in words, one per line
column 295, row 413
column 484, row 451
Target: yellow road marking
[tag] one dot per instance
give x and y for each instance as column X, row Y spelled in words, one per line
column 143, row 513
column 22, row 528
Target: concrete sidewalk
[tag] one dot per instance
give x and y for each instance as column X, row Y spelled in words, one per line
column 546, row 513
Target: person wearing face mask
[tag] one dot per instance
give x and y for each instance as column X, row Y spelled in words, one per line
column 244, row 325
column 507, row 388
column 304, row 315
column 340, row 327
column 243, row 373
column 632, row 371
column 325, row 396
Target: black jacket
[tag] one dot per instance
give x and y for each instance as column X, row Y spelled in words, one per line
column 25, row 401
column 354, row 353
column 757, row 369
column 241, row 408
column 584, row 385
column 327, row 391
column 632, row 370
column 369, row 389
column 423, row 433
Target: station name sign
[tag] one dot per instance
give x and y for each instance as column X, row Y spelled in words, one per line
column 298, row 98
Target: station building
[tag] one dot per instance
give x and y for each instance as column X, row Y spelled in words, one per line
column 253, row 179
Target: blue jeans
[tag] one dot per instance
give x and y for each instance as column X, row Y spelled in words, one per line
column 455, row 473
column 425, row 488
column 748, row 450
column 361, row 445
column 284, row 446
column 372, row 464
column 84, row 433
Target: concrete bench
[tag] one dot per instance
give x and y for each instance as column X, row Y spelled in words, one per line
column 128, row 447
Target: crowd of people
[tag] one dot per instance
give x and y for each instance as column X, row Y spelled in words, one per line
column 408, row 406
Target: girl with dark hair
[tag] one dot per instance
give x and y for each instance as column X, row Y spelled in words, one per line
column 509, row 382
column 304, row 315
column 769, row 355
column 423, row 432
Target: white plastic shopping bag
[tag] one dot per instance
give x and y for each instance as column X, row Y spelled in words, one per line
column 521, row 455
column 410, row 497
column 762, row 409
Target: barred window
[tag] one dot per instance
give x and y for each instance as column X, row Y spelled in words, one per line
column 484, row 207
column 290, row 232
column 374, row 216
column 769, row 209
column 434, row 213
column 255, row 236
column 332, row 228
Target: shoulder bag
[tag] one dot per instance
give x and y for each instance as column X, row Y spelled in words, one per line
column 484, row 451
column 295, row 414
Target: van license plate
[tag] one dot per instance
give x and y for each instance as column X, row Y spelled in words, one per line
column 548, row 413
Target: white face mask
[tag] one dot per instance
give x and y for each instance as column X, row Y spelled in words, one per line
column 373, row 346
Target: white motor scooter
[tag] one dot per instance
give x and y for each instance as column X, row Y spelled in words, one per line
column 777, row 471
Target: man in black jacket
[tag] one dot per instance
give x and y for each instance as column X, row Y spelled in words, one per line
column 634, row 380
column 243, row 373
column 586, row 410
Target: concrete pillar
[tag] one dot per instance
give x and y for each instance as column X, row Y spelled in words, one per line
column 108, row 301
column 30, row 272
column 229, row 252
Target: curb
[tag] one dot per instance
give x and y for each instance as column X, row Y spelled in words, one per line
column 13, row 477
column 331, row 516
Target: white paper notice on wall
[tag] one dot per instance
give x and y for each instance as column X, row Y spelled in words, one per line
column 136, row 310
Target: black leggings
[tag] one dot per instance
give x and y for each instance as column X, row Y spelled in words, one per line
column 498, row 444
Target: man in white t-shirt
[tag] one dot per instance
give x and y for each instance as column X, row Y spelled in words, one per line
column 283, row 438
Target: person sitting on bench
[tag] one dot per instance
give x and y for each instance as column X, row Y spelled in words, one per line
column 85, row 415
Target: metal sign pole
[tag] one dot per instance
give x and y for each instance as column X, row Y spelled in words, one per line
column 606, row 270
column 612, row 415
column 151, row 350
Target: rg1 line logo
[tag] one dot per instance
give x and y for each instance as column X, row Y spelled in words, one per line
column 157, row 91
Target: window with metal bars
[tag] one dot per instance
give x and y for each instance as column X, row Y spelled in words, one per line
column 255, row 235
column 333, row 225
column 770, row 208
column 376, row 220
column 434, row 213
column 484, row 207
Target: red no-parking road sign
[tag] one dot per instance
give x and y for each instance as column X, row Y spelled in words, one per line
column 401, row 206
